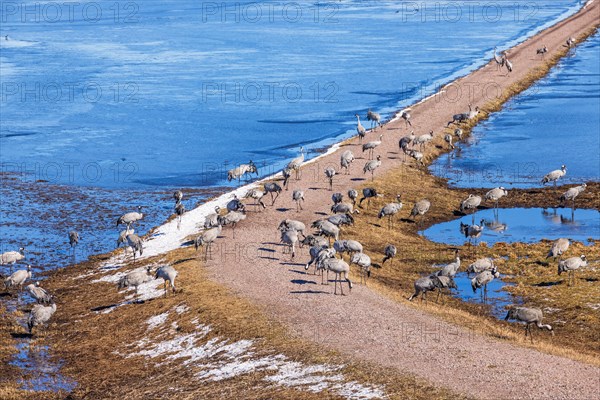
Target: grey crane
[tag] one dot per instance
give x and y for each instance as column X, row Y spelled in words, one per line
column 371, row 166
column 298, row 197
column 480, row 265
column 405, row 141
column 290, row 239
column 374, row 117
column 346, row 160
column 177, row 196
column 232, row 218
column 329, row 174
column 572, row 194
column 241, row 170
column 472, row 231
column 212, row 219
column 291, row 224
column 421, row 208
column 452, row 268
column 444, row 282
column 371, row 146
column 337, row 198
column 322, row 256
column 207, row 238
column 39, row 294
column 341, row 219
column 530, row 316
column 390, row 210
column 235, row 204
column 136, row 244
column 555, row 175
column 135, row 279
column 495, row 195
column 470, row 203
column 273, row 188
column 122, row 239
column 360, row 129
column 40, row 315
column 508, row 64
column 458, row 133
column 462, row 117
column 389, row 253
column 570, row 265
column 168, row 274
column 257, row 195
column 131, row 217
column 328, row 230
column 316, row 252
column 344, row 208
column 570, row 42
column 341, row 270
column 296, row 163
column 17, row 278
column 73, row 239
column 179, row 211
column 416, row 155
column 429, row 284
column 286, row 173
column 365, row 264
column 12, row 257
column 542, row 51
column 422, row 140
column 312, row 240
column 448, row 139
column 353, row 195
column 482, row 279
column 499, row 60
column 405, row 115
column 347, row 246
column 368, row 194
column 559, row 247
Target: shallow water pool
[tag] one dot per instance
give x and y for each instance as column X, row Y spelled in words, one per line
column 527, row 225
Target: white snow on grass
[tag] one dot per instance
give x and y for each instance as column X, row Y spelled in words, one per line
column 217, row 359
column 157, row 320
column 180, row 309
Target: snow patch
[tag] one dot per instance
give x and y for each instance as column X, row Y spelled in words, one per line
column 217, row 359
column 157, row 320
column 180, row 309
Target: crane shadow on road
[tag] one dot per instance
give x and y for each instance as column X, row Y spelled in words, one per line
column 293, row 264
column 300, row 272
column 183, row 260
column 21, row 335
column 308, row 292
column 303, row 282
column 548, row 284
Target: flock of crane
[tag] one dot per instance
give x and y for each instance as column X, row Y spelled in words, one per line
column 323, row 254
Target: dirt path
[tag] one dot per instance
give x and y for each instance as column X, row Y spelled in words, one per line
column 366, row 324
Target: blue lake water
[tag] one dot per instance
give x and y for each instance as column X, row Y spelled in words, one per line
column 527, row 225
column 497, row 298
column 164, row 93
column 555, row 122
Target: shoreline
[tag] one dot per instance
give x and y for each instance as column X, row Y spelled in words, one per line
column 156, row 249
